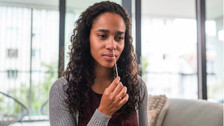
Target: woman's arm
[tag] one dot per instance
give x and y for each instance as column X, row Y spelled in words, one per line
column 58, row 112
column 99, row 119
column 143, row 109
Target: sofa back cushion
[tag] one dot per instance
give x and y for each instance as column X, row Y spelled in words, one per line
column 157, row 107
column 183, row 112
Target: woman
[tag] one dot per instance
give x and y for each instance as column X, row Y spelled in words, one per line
column 90, row 93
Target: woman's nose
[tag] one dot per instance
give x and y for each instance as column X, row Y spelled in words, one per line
column 111, row 44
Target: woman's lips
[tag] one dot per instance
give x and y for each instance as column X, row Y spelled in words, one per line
column 109, row 56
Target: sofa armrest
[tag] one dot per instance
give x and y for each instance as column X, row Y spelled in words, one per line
column 183, row 112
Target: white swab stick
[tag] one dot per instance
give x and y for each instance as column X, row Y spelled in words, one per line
column 115, row 64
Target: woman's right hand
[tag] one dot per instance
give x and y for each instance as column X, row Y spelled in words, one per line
column 113, row 98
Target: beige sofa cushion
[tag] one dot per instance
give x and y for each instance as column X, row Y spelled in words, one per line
column 182, row 112
column 157, row 107
column 162, row 114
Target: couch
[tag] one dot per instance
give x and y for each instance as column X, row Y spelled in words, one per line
column 186, row 112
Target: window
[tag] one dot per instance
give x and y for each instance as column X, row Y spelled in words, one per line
column 169, row 48
column 12, row 74
column 214, row 50
column 12, row 53
column 36, row 53
column 25, row 28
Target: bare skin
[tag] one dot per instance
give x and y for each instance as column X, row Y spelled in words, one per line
column 107, row 35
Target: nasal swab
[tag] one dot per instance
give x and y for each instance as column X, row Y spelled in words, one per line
column 115, row 64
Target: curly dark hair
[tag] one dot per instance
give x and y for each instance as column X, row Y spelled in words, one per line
column 80, row 70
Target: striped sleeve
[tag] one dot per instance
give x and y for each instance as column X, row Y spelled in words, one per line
column 58, row 112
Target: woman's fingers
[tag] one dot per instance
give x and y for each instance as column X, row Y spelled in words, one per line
column 122, row 93
column 124, row 100
column 118, row 89
column 113, row 85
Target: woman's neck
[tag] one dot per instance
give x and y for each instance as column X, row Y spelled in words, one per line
column 103, row 79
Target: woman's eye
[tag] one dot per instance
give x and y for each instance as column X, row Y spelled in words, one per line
column 102, row 36
column 119, row 38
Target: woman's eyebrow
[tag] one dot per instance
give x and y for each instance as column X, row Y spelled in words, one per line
column 103, row 30
column 107, row 31
column 120, row 32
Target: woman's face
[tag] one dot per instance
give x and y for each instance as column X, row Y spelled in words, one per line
column 107, row 36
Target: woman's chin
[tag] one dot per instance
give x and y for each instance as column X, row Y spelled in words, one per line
column 108, row 65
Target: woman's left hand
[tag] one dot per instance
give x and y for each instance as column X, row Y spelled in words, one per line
column 113, row 98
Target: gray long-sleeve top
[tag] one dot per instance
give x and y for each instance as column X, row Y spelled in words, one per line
column 60, row 115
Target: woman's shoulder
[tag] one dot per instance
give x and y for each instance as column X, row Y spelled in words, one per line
column 141, row 83
column 59, row 84
column 142, row 87
column 57, row 97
